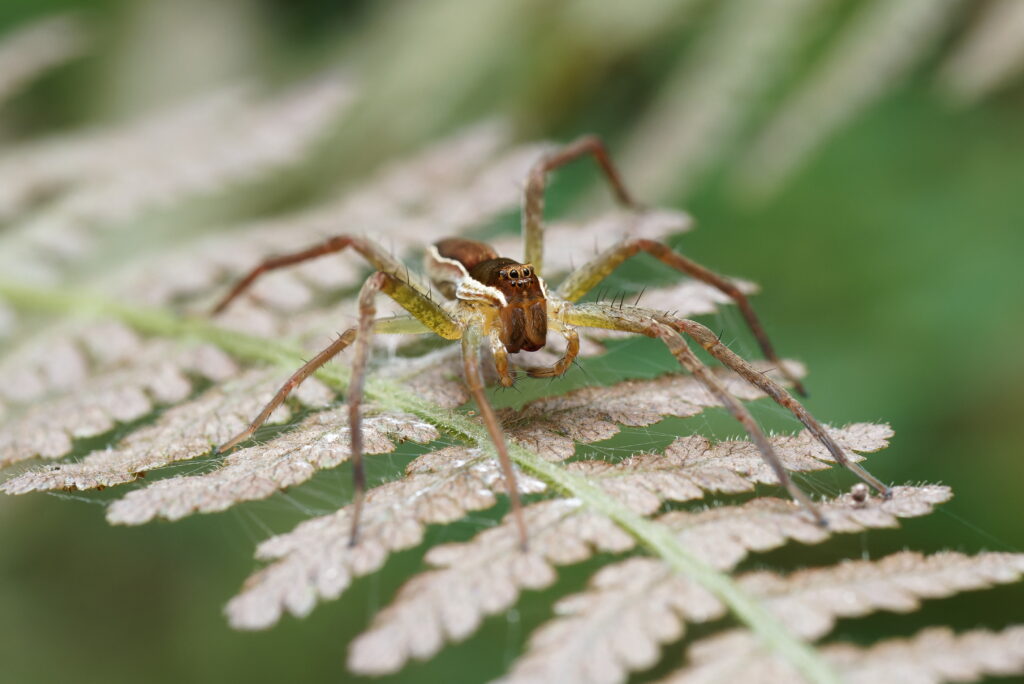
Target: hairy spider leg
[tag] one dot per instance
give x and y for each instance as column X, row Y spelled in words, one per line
column 472, row 338
column 587, row 276
column 427, row 316
column 709, row 340
column 635, row 320
column 310, row 367
column 370, row 250
column 406, row 325
column 354, row 396
column 536, row 183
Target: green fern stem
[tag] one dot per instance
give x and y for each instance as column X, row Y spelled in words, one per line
column 655, row 537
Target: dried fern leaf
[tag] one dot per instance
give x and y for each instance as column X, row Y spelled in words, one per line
column 485, row 575
column 29, row 51
column 318, row 442
column 633, row 607
column 551, row 426
column 316, row 562
column 933, row 655
column 473, row 185
column 724, row 536
column 811, row 601
column 252, row 143
column 160, row 375
column 61, row 360
column 481, row 577
column 183, row 432
column 58, row 164
column 322, row 441
column 693, row 465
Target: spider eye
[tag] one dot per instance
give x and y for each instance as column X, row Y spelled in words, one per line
column 513, row 273
column 526, row 273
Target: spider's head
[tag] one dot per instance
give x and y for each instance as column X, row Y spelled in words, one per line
column 523, row 309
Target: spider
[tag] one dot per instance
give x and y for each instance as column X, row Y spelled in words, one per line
column 507, row 305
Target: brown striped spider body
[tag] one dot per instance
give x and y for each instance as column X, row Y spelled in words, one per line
column 507, row 305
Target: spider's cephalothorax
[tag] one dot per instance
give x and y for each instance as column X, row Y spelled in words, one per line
column 472, row 271
column 505, row 305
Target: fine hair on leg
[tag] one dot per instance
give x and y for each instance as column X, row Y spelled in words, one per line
column 471, row 341
column 368, row 249
column 354, row 395
column 297, row 378
column 710, row 341
column 641, row 321
column 536, row 183
column 587, row 276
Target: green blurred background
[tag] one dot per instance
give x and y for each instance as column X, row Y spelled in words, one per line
column 888, row 257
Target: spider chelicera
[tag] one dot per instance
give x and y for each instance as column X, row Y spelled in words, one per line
column 507, row 305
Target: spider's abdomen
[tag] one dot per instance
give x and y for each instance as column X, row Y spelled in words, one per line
column 448, row 262
column 469, row 253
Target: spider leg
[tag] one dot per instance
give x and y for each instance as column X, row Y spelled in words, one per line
column 536, row 182
column 427, row 316
column 310, row 367
column 586, row 277
column 572, row 348
column 643, row 322
column 370, row 250
column 354, row 396
column 471, row 340
column 709, row 340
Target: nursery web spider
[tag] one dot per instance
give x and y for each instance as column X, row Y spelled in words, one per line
column 507, row 305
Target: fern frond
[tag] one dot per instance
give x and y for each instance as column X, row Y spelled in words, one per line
column 178, row 386
column 551, row 427
column 635, row 606
column 609, row 513
column 112, row 373
column 931, row 656
column 440, row 487
column 485, row 576
column 216, row 143
column 693, row 465
column 318, row 442
column 159, row 374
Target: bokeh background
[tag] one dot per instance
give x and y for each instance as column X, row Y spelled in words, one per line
column 862, row 161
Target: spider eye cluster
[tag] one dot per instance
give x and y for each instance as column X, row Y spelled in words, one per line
column 516, row 273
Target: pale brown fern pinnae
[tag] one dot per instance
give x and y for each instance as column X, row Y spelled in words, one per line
column 116, row 377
